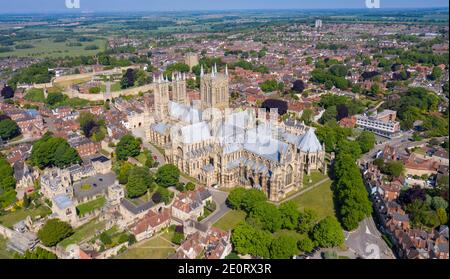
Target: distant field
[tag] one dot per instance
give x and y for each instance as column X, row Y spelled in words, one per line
column 48, row 48
column 319, row 199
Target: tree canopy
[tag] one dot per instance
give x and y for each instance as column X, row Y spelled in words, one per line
column 8, row 129
column 139, row 181
column 167, row 175
column 328, row 233
column 128, row 146
column 54, row 231
column 50, row 151
column 7, row 183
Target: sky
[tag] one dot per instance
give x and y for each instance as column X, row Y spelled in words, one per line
column 39, row 6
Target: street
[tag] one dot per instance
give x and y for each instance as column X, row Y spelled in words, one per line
column 366, row 241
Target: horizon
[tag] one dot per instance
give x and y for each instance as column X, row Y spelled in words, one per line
column 122, row 6
column 80, row 11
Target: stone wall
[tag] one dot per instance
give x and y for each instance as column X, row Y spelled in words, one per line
column 6, row 232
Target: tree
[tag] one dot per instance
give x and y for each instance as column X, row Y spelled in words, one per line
column 249, row 240
column 139, row 181
column 442, row 216
column 128, row 146
column 439, row 202
column 283, row 247
column 54, row 231
column 26, row 200
column 251, row 198
column 124, row 171
column 349, row 147
column 190, row 186
column 328, row 233
column 177, row 238
column 167, row 175
column 394, row 168
column 339, row 70
column 236, row 197
column 54, row 98
column 366, row 141
column 289, row 215
column 128, row 79
column 298, row 86
column 7, row 92
column 7, row 183
column 8, row 129
column 270, row 86
column 307, row 116
column 165, row 194
column 105, row 238
column 329, row 114
column 307, row 220
column 268, row 215
column 50, row 151
column 87, row 123
column 177, row 67
column 375, row 89
column 305, row 245
column 436, row 73
column 412, row 194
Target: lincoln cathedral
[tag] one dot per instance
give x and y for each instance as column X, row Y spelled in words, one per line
column 227, row 148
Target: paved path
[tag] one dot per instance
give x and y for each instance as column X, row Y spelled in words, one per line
column 140, row 133
column 220, row 199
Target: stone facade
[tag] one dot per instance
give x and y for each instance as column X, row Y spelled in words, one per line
column 232, row 148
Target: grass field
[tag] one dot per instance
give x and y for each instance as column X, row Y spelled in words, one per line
column 63, row 84
column 90, row 206
column 114, row 87
column 4, row 254
column 12, row 218
column 312, row 179
column 48, row 48
column 86, row 231
column 230, row 220
column 158, row 247
column 319, row 199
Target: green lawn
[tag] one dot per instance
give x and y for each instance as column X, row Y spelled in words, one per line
column 158, row 247
column 11, row 218
column 230, row 220
column 48, row 48
column 4, row 254
column 315, row 177
column 86, row 231
column 319, row 199
column 114, row 87
column 206, row 213
column 90, row 206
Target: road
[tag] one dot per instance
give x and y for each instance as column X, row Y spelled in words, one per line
column 140, row 133
column 399, row 144
column 219, row 198
column 366, row 241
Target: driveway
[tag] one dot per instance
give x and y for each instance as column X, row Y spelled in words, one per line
column 140, row 133
column 219, row 198
column 366, row 241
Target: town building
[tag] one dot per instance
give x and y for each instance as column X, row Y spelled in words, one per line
column 382, row 124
